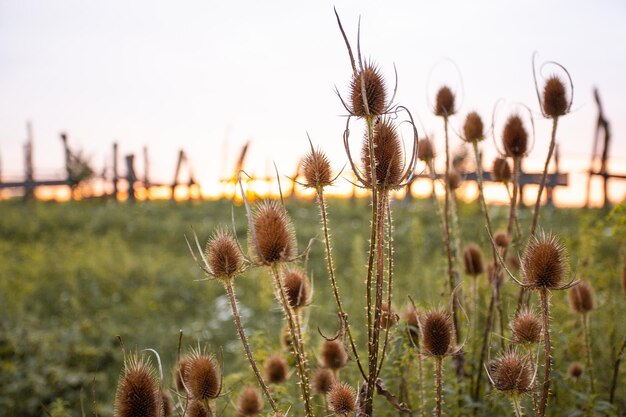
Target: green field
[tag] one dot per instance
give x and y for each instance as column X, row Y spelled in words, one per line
column 74, row 276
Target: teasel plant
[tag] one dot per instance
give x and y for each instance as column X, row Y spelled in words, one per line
column 383, row 170
column 138, row 388
column 412, row 321
column 582, row 302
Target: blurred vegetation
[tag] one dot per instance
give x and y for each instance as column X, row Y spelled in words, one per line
column 73, row 276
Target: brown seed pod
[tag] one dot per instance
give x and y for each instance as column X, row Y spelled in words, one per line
column 515, row 137
column 323, row 379
column 502, row 239
column 501, row 170
column 437, row 332
column 179, row 374
column 555, row 102
column 316, row 170
column 388, row 316
column 425, row 151
column 202, row 377
column 526, row 327
column 167, row 403
column 581, row 297
column 297, row 288
column 137, row 390
column 511, row 372
column 410, row 316
column 454, row 179
column 198, row 408
column 249, row 402
column 494, row 275
column 473, row 260
column 224, row 257
column 444, row 103
column 333, row 354
column 544, row 262
column 274, row 233
column 276, row 369
column 513, row 262
column 388, row 153
column 375, row 91
column 575, row 370
column 473, row 128
column 342, row 399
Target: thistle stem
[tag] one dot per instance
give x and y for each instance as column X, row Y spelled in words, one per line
column 389, row 242
column 588, row 357
column 438, row 386
column 542, row 184
column 517, row 407
column 545, row 313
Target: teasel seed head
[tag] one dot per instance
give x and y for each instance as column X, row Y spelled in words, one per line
column 223, row 255
column 275, row 240
column 388, row 316
column 513, row 262
column 515, row 137
column 454, row 179
column 202, row 376
column 333, row 354
column 167, row 403
column 437, row 332
column 249, row 402
column 375, row 91
column 297, row 288
column 581, row 298
column 138, row 392
column 425, row 151
column 444, row 103
column 502, row 240
column 473, row 128
column 276, row 369
column 322, row 381
column 198, row 408
column 526, row 327
column 544, row 263
column 511, row 373
column 494, row 275
column 342, row 399
column 388, row 153
column 501, row 170
column 410, row 316
column 316, row 170
column 179, row 374
column 473, row 260
column 555, row 101
column 575, row 370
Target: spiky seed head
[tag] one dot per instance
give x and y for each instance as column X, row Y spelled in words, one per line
column 575, row 370
column 554, row 97
column 179, row 374
column 515, row 137
column 581, row 297
column 495, row 275
column 388, row 316
column 511, row 373
column 202, row 376
column 167, row 403
column 197, row 408
column 526, row 327
column 454, row 179
column 297, row 288
column 502, row 239
column 249, row 402
column 388, row 153
column 375, row 91
column 501, row 170
column 437, row 331
column 410, row 316
column 544, row 262
column 285, row 337
column 223, row 255
column 274, row 233
column 137, row 390
column 342, row 399
column 444, row 103
column 425, row 151
column 473, row 260
column 316, row 170
column 473, row 128
column 323, row 379
column 333, row 354
column 276, row 369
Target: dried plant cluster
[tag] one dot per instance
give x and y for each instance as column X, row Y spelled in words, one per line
column 351, row 372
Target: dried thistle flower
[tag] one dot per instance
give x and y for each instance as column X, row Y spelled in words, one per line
column 473, row 128
column 323, row 380
column 575, row 370
column 473, row 260
column 388, row 153
column 494, row 275
column 137, row 390
column 515, row 137
column 342, row 399
column 333, row 354
column 526, row 327
column 297, row 288
column 276, row 369
column 544, row 263
column 316, row 170
column 437, row 332
column 275, row 240
column 202, row 376
column 511, row 373
column 224, row 257
column 581, row 298
column 502, row 239
column 501, row 170
column 444, row 102
column 249, row 402
column 425, row 151
column 375, row 92
column 555, row 102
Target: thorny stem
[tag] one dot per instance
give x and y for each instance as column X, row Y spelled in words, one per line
column 588, row 357
column 545, row 313
column 244, row 340
column 389, row 282
column 483, row 351
column 513, row 210
column 420, row 377
column 331, row 275
column 438, row 386
column 517, row 407
column 297, row 346
column 618, row 360
column 542, row 184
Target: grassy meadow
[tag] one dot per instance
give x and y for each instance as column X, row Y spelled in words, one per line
column 74, row 276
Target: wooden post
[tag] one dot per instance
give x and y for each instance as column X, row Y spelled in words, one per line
column 550, row 184
column 29, row 181
column 146, row 172
column 181, row 157
column 115, row 173
column 131, row 177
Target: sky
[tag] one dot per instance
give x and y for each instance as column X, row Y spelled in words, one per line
column 208, row 76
